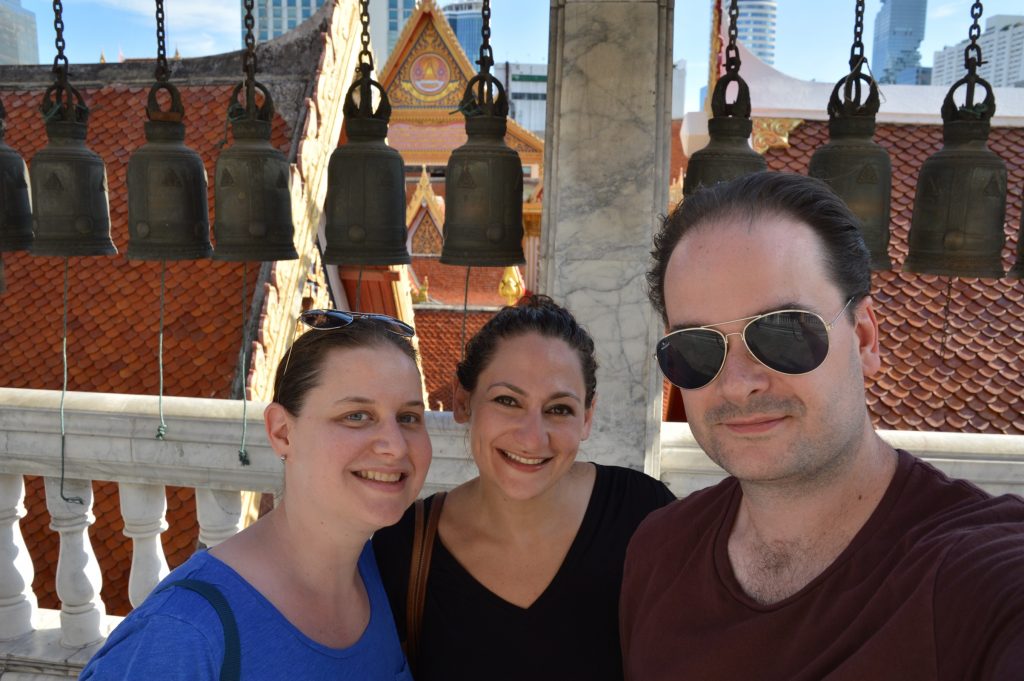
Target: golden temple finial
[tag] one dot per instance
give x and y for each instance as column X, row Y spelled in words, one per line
column 103, row 57
column 511, row 287
column 423, row 292
column 177, row 54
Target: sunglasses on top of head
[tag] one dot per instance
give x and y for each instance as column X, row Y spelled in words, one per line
column 324, row 320
column 790, row 342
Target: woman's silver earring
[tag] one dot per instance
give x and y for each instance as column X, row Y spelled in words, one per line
column 283, row 459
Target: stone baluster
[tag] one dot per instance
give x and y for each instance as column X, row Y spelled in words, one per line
column 78, row 573
column 17, row 601
column 220, row 515
column 143, row 508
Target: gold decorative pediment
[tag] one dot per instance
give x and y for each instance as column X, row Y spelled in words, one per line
column 773, row 133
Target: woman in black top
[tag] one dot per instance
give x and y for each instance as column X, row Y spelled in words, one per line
column 527, row 563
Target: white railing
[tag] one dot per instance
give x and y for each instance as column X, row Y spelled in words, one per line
column 993, row 462
column 112, row 437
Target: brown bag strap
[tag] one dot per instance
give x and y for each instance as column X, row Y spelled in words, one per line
column 419, row 569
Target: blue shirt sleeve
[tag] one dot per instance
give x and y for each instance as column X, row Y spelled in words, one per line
column 159, row 646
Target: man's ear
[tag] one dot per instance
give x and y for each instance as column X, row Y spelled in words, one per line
column 460, row 409
column 278, row 421
column 866, row 332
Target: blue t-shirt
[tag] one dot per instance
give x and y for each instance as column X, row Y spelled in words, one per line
column 176, row 634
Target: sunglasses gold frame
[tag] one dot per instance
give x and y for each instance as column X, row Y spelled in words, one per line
column 742, row 334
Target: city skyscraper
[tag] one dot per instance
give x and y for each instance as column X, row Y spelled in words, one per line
column 755, row 27
column 18, row 43
column 466, row 20
column 398, row 12
column 276, row 17
column 899, row 29
column 1002, row 48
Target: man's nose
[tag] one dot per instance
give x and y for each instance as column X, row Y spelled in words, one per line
column 742, row 375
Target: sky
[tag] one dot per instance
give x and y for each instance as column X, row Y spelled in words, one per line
column 812, row 36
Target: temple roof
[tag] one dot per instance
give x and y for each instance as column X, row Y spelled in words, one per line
column 425, row 78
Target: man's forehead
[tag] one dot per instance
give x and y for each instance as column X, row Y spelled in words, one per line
column 742, row 266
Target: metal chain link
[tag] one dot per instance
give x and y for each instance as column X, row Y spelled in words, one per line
column 486, row 54
column 732, row 53
column 972, row 53
column 857, row 50
column 364, row 19
column 163, row 73
column 60, row 62
column 249, row 60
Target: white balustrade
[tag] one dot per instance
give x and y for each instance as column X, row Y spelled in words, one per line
column 110, row 437
column 17, row 601
column 78, row 573
column 220, row 515
column 144, row 508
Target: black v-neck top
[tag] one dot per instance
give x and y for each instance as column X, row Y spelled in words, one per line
column 570, row 632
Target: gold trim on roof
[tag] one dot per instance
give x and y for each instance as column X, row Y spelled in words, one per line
column 424, row 198
column 773, row 133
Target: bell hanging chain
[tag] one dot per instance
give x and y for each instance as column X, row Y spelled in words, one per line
column 365, row 57
column 857, row 49
column 60, row 62
column 486, row 60
column 163, row 73
column 972, row 53
column 249, row 60
column 62, row 101
column 732, row 53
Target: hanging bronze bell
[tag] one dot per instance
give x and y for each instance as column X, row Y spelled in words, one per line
column 168, row 213
column 728, row 155
column 15, row 202
column 69, row 182
column 855, row 166
column 253, row 205
column 960, row 206
column 483, row 224
column 1017, row 271
column 365, row 203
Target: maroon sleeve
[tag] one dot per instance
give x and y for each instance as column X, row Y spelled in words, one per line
column 979, row 604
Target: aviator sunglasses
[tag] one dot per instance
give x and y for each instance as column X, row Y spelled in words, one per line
column 325, row 320
column 791, row 342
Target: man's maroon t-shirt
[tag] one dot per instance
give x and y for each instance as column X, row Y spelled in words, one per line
column 932, row 587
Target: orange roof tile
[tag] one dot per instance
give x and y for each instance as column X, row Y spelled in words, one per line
column 114, row 315
column 955, row 370
column 447, row 283
column 440, row 335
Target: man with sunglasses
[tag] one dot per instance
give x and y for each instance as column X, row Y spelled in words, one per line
column 826, row 554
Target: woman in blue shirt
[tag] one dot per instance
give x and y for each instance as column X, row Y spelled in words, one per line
column 301, row 584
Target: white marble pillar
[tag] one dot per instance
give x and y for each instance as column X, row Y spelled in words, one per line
column 17, row 601
column 78, row 573
column 606, row 183
column 219, row 513
column 143, row 508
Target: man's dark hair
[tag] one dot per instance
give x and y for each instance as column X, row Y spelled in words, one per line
column 752, row 197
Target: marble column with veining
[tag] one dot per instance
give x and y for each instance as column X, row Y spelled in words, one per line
column 606, row 183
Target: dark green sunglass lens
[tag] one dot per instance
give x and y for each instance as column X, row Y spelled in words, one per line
column 789, row 342
column 692, row 358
